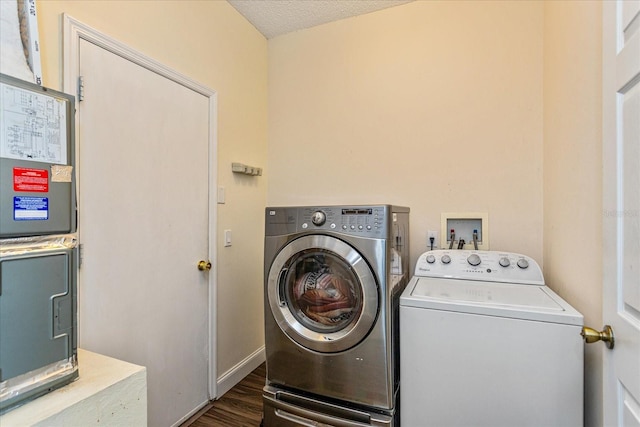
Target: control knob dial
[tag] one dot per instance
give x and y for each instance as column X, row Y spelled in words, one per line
column 318, row 218
column 504, row 262
column 523, row 263
column 474, row 259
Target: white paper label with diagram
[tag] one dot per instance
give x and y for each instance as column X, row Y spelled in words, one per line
column 33, row 126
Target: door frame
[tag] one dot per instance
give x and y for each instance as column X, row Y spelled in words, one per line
column 73, row 32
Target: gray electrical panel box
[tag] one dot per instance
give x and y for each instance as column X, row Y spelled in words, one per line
column 37, row 143
column 38, row 348
column 38, row 252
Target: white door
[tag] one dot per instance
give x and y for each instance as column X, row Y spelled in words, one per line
column 143, row 178
column 621, row 223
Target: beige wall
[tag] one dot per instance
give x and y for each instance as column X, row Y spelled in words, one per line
column 573, row 170
column 455, row 106
column 213, row 44
column 435, row 105
column 432, row 105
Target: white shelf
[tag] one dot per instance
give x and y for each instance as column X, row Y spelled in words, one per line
column 109, row 392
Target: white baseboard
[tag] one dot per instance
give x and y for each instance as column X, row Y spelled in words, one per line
column 193, row 415
column 236, row 374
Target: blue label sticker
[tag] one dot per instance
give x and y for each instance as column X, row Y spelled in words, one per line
column 30, row 208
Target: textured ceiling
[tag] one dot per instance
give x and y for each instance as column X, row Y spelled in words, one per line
column 275, row 17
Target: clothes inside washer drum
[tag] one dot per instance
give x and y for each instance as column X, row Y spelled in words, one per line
column 324, row 297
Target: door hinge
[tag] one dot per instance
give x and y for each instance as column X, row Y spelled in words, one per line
column 80, row 88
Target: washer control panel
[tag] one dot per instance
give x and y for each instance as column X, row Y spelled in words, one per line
column 490, row 266
column 363, row 220
column 374, row 221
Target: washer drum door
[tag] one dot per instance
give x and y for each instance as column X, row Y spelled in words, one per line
column 322, row 293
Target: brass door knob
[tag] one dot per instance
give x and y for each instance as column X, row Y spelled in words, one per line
column 204, row 265
column 591, row 335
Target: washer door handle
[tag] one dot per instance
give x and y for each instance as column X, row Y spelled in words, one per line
column 281, row 297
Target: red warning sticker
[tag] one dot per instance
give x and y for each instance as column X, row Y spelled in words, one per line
column 31, row 180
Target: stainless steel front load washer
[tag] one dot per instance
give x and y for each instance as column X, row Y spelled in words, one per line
column 333, row 279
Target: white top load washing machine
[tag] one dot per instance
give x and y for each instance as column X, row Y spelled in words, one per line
column 483, row 342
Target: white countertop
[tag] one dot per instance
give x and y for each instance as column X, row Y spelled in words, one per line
column 108, row 392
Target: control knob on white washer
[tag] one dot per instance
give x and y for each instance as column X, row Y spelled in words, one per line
column 474, row 259
column 504, row 262
column 431, row 259
column 523, row 263
column 446, row 259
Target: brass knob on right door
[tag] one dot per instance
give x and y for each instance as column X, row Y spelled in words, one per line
column 591, row 335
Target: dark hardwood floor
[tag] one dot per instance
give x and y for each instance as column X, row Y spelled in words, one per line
column 239, row 407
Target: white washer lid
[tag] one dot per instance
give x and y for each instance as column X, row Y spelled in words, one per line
column 527, row 302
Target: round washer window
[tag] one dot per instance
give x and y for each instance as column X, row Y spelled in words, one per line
column 322, row 293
